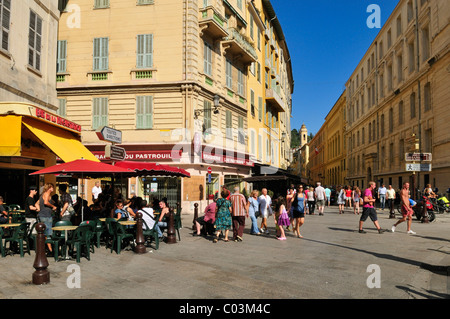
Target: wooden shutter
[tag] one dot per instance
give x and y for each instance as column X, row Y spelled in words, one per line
column 61, row 56
column 144, row 51
column 100, row 62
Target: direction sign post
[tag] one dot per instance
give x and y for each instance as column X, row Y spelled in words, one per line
column 412, row 167
column 418, row 157
column 106, row 133
column 115, row 152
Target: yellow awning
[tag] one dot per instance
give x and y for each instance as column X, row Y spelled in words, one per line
column 61, row 142
column 10, row 126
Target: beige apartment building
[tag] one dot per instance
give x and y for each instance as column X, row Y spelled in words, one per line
column 178, row 78
column 398, row 99
column 335, row 147
column 32, row 134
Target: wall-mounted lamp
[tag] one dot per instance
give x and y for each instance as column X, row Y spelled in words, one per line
column 215, row 108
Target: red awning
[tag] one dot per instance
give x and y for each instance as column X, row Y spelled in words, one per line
column 150, row 168
column 82, row 166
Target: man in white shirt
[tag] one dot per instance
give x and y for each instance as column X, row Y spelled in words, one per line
column 319, row 194
column 382, row 196
column 96, row 190
column 264, row 207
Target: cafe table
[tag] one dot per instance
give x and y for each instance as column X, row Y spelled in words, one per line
column 127, row 222
column 9, row 225
column 65, row 229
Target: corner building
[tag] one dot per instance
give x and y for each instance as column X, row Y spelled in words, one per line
column 397, row 99
column 176, row 77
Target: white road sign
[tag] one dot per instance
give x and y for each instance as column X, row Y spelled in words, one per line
column 418, row 167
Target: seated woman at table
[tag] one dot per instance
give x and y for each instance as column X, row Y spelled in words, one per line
column 147, row 215
column 3, row 213
column 120, row 212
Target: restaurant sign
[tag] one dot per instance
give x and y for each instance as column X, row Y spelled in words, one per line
column 57, row 120
column 143, row 155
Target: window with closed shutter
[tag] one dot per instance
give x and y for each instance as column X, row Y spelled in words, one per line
column 99, row 112
column 34, row 41
column 100, row 62
column 144, row 112
column 5, row 14
column 144, row 51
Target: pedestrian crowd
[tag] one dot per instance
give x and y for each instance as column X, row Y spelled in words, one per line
column 229, row 211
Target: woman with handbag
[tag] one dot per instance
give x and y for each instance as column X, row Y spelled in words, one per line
column 65, row 201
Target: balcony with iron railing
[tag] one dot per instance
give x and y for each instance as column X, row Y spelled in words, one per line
column 212, row 22
column 238, row 44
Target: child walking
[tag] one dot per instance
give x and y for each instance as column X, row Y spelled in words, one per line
column 281, row 218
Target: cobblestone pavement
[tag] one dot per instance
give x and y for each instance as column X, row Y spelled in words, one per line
column 332, row 261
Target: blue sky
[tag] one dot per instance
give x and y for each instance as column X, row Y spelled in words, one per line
column 326, row 41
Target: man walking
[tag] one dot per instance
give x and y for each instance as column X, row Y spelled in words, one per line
column 407, row 211
column 238, row 214
column 30, row 207
column 319, row 194
column 382, row 196
column 369, row 209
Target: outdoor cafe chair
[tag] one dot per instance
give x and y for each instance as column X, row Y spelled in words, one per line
column 110, row 237
column 80, row 241
column 120, row 236
column 19, row 236
column 2, row 249
column 100, row 231
column 152, row 233
column 177, row 222
column 92, row 224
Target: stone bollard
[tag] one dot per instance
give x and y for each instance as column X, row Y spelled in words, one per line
column 41, row 275
column 171, row 237
column 195, row 216
column 140, row 239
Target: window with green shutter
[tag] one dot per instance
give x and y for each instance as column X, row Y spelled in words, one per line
column 229, row 74
column 62, row 107
column 252, row 102
column 240, row 83
column 144, row 51
column 241, row 134
column 5, row 15
column 61, row 63
column 144, row 112
column 145, row 1
column 228, row 124
column 100, row 62
column 34, row 41
column 207, row 59
column 99, row 112
column 260, row 108
column 98, row 4
column 206, row 116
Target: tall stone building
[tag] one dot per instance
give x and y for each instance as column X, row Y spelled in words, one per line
column 397, row 99
column 185, row 81
column 33, row 134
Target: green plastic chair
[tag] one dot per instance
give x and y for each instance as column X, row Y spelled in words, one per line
column 99, row 232
column 177, row 222
column 120, row 235
column 152, row 233
column 80, row 241
column 109, row 234
column 20, row 235
column 2, row 249
column 92, row 224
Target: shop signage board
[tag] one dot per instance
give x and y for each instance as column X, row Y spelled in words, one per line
column 115, row 152
column 418, row 157
column 418, row 167
column 106, row 133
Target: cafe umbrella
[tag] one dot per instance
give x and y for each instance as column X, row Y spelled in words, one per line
column 82, row 167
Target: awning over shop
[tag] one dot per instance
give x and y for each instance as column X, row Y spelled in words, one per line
column 59, row 141
column 150, row 168
column 10, row 126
